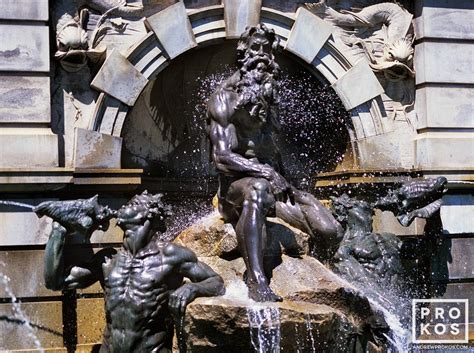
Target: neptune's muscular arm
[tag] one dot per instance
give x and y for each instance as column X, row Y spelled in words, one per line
column 204, row 281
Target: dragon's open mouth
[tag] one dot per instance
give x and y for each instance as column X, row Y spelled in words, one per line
column 393, row 70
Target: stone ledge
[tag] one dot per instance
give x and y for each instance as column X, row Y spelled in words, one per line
column 457, row 178
column 31, row 179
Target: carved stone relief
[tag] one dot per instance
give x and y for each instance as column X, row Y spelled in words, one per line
column 381, row 34
column 124, row 8
column 75, row 47
column 86, row 31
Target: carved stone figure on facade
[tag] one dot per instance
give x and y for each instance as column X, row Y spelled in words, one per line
column 143, row 281
column 81, row 30
column 383, row 35
column 75, row 47
column 243, row 118
column 126, row 8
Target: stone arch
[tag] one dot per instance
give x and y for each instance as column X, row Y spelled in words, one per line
column 176, row 30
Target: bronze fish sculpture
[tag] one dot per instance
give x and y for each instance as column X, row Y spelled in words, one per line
column 83, row 215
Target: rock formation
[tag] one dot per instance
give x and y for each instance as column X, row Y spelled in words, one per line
column 320, row 313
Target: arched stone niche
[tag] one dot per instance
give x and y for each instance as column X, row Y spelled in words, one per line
column 165, row 132
column 176, row 30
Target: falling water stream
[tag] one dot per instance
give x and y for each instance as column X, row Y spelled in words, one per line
column 17, row 204
column 264, row 325
column 18, row 312
column 399, row 336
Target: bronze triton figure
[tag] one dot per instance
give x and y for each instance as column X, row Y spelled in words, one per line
column 143, row 281
column 243, row 117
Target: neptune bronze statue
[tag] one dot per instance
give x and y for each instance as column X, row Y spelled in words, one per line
column 243, row 119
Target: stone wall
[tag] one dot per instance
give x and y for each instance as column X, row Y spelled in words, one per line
column 26, row 139
column 444, row 84
column 445, row 140
column 82, row 156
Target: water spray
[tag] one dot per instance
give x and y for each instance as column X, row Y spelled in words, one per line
column 17, row 204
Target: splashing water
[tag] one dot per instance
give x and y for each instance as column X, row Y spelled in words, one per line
column 19, row 314
column 264, row 321
column 17, row 204
column 297, row 339
column 264, row 324
column 238, row 292
column 309, row 328
column 314, row 123
column 181, row 334
column 399, row 336
column 186, row 212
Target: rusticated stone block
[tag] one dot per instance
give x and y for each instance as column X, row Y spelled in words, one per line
column 17, row 264
column 25, row 99
column 173, row 29
column 317, row 305
column 444, row 62
column 45, row 326
column 444, row 150
column 387, row 151
column 36, row 10
column 212, row 237
column 461, row 291
column 20, row 226
column 437, row 20
column 28, row 148
column 90, row 320
column 24, row 48
column 358, row 85
column 453, row 259
column 308, row 35
column 120, row 79
column 386, row 222
column 457, row 214
column 451, row 107
column 96, row 150
column 239, row 14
